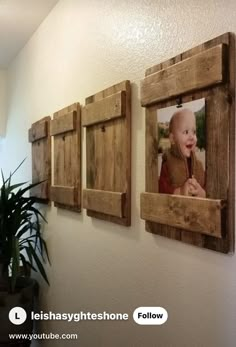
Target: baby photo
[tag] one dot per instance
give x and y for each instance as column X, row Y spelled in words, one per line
column 181, row 149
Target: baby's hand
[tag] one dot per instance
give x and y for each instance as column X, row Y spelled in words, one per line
column 187, row 187
column 195, row 188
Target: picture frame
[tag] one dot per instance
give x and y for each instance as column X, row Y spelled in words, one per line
column 206, row 71
column 106, row 118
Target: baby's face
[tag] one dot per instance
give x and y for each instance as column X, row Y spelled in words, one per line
column 184, row 133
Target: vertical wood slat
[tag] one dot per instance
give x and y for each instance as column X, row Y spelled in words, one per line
column 108, row 154
column 67, row 157
column 232, row 131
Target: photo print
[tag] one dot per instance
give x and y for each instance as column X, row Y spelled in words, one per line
column 181, row 149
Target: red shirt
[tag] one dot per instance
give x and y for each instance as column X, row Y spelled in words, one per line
column 164, row 180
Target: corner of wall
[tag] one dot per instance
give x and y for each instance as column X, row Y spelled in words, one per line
column 3, row 102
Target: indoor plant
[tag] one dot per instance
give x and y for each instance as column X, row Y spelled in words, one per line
column 22, row 248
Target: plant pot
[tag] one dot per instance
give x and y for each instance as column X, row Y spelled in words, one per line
column 24, row 296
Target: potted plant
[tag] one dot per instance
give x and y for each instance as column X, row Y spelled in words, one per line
column 22, row 248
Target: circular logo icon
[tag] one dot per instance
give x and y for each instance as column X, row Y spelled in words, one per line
column 17, row 315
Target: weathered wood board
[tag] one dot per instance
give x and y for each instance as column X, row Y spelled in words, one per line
column 107, row 119
column 39, row 136
column 111, row 203
column 194, row 214
column 66, row 132
column 220, row 136
column 111, row 107
column 199, row 71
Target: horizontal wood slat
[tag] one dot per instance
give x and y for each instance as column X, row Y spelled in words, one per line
column 111, row 203
column 193, row 214
column 38, row 131
column 200, row 71
column 64, row 195
column 101, row 111
column 64, row 123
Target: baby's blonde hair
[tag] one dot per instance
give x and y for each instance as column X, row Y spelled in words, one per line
column 176, row 116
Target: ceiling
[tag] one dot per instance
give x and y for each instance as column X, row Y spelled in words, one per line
column 19, row 19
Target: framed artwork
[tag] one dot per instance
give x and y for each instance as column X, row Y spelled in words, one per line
column 39, row 137
column 66, row 134
column 190, row 146
column 186, row 136
column 106, row 117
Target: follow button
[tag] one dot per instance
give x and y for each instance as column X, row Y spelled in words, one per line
column 150, row 315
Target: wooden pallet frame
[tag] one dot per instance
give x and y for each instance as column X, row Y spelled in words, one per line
column 107, row 119
column 206, row 71
column 39, row 137
column 66, row 133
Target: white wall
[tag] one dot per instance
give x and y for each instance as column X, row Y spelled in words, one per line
column 81, row 48
column 3, row 86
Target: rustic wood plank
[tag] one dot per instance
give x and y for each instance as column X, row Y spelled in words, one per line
column 111, row 203
column 38, row 131
column 163, row 65
column 104, row 110
column 200, row 71
column 151, row 166
column 217, row 141
column 224, row 38
column 63, row 123
column 194, row 214
column 108, row 154
column 67, row 156
column 232, row 155
column 116, row 88
column 41, row 159
column 65, row 195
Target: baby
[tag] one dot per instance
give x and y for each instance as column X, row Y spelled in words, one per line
column 181, row 172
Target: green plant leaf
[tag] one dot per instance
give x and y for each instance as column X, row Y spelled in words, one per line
column 26, row 263
column 38, row 263
column 20, row 229
column 15, row 262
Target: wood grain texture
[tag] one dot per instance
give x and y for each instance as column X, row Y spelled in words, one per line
column 104, row 110
column 65, row 195
column 194, row 214
column 41, row 158
column 38, row 131
column 232, row 155
column 111, row 203
column 220, row 153
column 217, row 125
column 200, row 71
column 108, row 154
column 64, row 123
column 67, row 155
column 163, row 65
